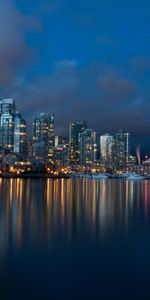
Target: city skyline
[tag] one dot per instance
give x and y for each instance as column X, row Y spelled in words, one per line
column 81, row 147
column 93, row 66
column 136, row 141
column 74, row 149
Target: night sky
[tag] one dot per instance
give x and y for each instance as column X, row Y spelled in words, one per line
column 80, row 59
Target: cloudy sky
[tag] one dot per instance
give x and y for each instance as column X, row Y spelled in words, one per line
column 80, row 59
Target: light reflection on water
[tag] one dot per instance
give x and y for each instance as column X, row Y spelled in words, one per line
column 62, row 216
column 48, row 207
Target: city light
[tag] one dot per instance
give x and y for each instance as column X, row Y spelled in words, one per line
column 47, row 154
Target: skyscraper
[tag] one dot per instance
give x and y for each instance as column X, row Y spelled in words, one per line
column 88, row 147
column 60, row 155
column 19, row 136
column 75, row 129
column 106, row 143
column 12, row 128
column 121, row 149
column 44, row 136
column 7, row 111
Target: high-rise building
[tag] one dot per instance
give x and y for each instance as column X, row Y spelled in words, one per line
column 121, row 149
column 56, row 141
column 44, row 136
column 39, row 152
column 12, row 128
column 19, row 136
column 75, row 129
column 60, row 155
column 29, row 148
column 7, row 111
column 106, row 143
column 88, row 147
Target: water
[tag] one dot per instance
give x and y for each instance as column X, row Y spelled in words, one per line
column 74, row 239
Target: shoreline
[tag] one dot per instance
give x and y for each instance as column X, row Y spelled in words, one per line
column 45, row 176
column 7, row 175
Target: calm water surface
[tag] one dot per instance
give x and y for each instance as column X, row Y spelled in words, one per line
column 74, row 239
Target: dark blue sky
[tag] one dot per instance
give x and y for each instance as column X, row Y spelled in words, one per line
column 80, row 59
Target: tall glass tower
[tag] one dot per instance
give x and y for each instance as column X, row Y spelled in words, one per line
column 12, row 128
column 19, row 136
column 88, row 147
column 106, row 143
column 75, row 129
column 43, row 137
column 121, row 149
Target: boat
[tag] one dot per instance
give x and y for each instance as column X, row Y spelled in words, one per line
column 99, row 176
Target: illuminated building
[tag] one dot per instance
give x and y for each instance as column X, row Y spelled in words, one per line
column 29, row 148
column 7, row 111
column 75, row 129
column 106, row 142
column 43, row 137
column 12, row 128
column 19, row 136
column 60, row 140
column 87, row 147
column 38, row 151
column 56, row 140
column 121, row 150
column 60, row 155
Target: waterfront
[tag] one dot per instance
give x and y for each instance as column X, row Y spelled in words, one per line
column 74, row 239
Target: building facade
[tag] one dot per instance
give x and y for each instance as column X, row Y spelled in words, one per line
column 60, row 155
column 12, row 128
column 19, row 136
column 121, row 150
column 87, row 147
column 106, row 144
column 75, row 129
column 43, row 137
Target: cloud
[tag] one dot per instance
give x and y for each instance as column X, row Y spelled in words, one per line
column 85, row 19
column 52, row 91
column 47, row 6
column 106, row 101
column 65, row 66
column 14, row 52
column 106, row 40
column 140, row 64
column 116, row 88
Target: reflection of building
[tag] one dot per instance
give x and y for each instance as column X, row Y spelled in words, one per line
column 121, row 149
column 43, row 136
column 75, row 129
column 12, row 128
column 88, row 147
column 106, row 142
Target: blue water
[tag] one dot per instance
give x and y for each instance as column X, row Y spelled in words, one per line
column 74, row 239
